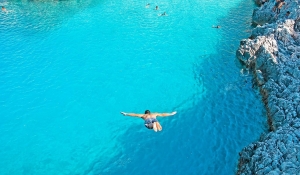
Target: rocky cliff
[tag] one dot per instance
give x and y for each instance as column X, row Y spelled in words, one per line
column 272, row 53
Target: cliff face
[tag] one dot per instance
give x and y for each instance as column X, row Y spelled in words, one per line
column 272, row 53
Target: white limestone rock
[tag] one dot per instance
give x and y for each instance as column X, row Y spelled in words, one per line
column 272, row 53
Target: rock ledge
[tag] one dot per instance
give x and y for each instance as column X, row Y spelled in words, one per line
column 272, row 53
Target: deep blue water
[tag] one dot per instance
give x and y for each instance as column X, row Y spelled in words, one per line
column 67, row 69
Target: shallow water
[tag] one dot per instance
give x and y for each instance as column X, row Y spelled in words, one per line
column 67, row 68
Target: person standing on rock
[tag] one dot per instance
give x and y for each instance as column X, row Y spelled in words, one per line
column 150, row 118
column 276, row 5
column 280, row 6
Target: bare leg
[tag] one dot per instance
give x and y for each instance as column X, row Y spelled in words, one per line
column 158, row 126
column 154, row 126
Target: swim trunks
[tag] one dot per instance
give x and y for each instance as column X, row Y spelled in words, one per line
column 149, row 122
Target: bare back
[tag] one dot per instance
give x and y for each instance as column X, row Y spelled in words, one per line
column 146, row 116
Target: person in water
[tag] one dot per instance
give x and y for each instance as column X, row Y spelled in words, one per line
column 150, row 118
column 163, row 14
column 216, row 26
column 3, row 9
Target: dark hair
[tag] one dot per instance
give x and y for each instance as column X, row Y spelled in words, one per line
column 288, row 12
column 147, row 112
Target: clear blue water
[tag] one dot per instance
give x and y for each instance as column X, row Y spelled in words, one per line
column 67, row 68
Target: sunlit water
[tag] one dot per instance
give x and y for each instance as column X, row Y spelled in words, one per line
column 67, row 68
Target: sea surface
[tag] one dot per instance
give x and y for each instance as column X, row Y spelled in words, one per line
column 68, row 68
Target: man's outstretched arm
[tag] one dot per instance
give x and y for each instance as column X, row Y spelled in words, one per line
column 165, row 114
column 132, row 114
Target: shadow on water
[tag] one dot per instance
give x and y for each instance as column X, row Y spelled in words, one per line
column 205, row 139
column 39, row 16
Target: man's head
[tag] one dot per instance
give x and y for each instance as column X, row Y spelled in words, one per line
column 147, row 112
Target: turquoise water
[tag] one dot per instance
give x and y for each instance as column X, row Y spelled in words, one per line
column 67, row 68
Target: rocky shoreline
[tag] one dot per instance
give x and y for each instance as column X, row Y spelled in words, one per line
column 272, row 54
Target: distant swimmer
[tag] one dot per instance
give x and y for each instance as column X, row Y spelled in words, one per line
column 156, row 8
column 148, row 5
column 216, row 26
column 163, row 14
column 150, row 119
column 3, row 9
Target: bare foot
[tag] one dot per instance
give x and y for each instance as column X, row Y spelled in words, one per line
column 154, row 127
column 158, row 126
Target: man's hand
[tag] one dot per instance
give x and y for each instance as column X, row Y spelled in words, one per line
column 173, row 113
column 123, row 113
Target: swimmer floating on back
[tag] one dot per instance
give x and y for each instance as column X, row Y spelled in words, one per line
column 216, row 26
column 150, row 119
